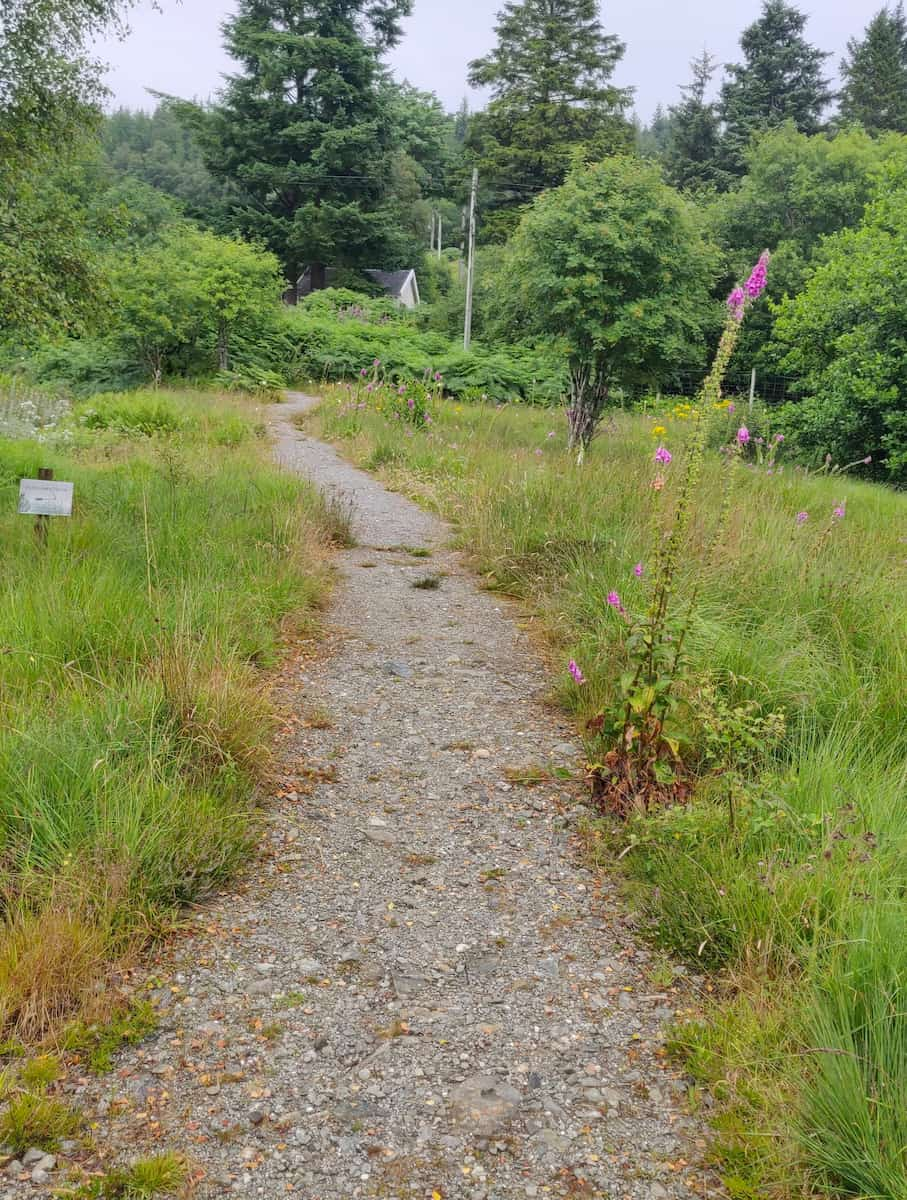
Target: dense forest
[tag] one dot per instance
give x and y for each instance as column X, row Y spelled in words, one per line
column 139, row 245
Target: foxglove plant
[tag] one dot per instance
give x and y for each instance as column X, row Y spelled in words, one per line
column 642, row 761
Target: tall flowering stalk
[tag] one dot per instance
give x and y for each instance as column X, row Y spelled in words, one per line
column 643, row 760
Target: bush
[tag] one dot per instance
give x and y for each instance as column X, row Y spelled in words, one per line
column 338, row 336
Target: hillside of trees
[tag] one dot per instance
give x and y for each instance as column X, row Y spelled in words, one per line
column 135, row 245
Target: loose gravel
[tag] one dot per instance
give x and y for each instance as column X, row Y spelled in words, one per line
column 419, row 991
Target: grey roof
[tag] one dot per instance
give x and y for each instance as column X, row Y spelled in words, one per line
column 393, row 282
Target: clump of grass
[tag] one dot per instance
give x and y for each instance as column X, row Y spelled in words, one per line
column 162, row 1175
column 337, row 521
column 134, row 720
column 427, row 583
column 32, row 1119
column 96, row 1044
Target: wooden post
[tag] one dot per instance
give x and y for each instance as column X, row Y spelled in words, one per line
column 439, row 235
column 431, row 232
column 752, row 389
column 471, row 265
column 42, row 524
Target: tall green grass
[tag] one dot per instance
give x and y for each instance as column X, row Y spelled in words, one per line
column 134, row 720
column 799, row 901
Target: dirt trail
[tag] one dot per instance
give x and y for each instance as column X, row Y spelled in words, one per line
column 420, row 992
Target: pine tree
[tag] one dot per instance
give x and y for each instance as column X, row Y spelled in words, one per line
column 780, row 80
column 306, row 132
column 552, row 95
column 691, row 155
column 875, row 74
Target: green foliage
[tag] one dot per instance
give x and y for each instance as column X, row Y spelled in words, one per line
column 552, row 97
column 339, row 335
column 51, row 278
column 797, row 190
column 844, row 339
column 180, row 300
column 309, row 146
column 615, row 265
column 49, row 86
column 779, row 80
column 691, row 152
column 162, row 152
column 874, row 71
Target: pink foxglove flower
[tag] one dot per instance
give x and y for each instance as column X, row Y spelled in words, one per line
column 663, row 456
column 578, row 676
column 755, row 285
column 638, row 570
column 802, row 518
column 743, row 435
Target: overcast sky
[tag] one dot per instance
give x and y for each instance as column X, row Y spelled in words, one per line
column 179, row 49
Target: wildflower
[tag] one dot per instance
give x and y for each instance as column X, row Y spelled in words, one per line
column 401, row 390
column 363, row 371
column 838, row 512
column 552, row 434
column 377, row 362
column 663, row 456
column 638, row 570
column 658, row 430
column 614, row 601
column 658, row 483
column 410, row 404
column 578, row 676
column 437, row 376
column 779, row 438
column 743, row 435
column 538, row 453
column 731, row 407
column 755, row 285
column 736, row 302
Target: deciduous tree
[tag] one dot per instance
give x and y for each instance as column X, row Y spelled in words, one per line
column 614, row 264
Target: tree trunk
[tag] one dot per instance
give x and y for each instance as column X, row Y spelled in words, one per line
column 319, row 276
column 223, row 350
column 588, row 398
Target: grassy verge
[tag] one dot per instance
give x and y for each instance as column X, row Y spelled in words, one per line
column 797, row 903
column 134, row 720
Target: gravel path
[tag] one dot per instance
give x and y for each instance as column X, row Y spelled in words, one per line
column 420, row 991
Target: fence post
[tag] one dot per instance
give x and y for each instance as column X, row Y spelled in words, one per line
column 43, row 523
column 752, row 389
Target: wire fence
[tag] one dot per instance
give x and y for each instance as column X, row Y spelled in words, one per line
column 740, row 386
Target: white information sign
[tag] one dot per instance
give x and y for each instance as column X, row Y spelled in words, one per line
column 45, row 498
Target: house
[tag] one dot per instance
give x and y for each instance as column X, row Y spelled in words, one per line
column 401, row 286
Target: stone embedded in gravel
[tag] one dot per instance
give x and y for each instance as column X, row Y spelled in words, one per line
column 484, row 1103
column 32, row 1157
column 398, row 669
column 14, row 1169
column 408, row 985
column 310, row 968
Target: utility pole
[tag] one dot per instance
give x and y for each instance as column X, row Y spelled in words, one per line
column 471, row 265
column 431, row 233
column 439, row 235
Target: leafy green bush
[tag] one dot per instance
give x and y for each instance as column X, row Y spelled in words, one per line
column 339, row 335
column 844, row 337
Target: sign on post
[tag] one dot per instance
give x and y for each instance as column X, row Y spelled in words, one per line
column 45, row 498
